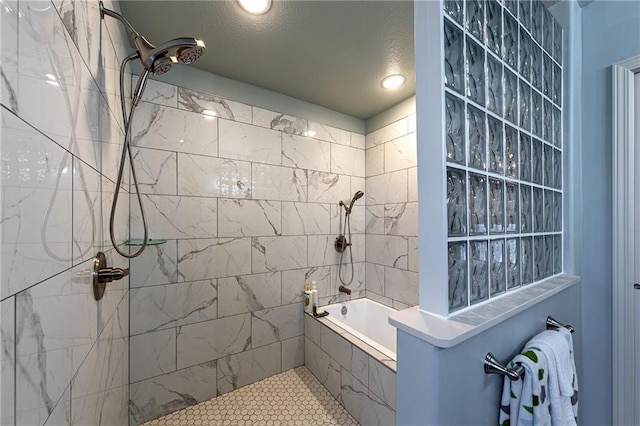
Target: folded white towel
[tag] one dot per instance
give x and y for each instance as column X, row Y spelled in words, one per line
column 574, row 399
column 560, row 374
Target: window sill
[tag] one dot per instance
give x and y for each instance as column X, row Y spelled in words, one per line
column 449, row 332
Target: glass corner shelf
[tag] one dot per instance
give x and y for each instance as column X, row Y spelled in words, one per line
column 150, row 242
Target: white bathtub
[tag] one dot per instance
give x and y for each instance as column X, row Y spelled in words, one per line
column 368, row 320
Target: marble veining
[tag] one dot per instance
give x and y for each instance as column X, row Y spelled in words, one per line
column 191, row 100
column 213, row 258
column 248, row 218
column 247, row 367
column 277, row 121
column 249, row 293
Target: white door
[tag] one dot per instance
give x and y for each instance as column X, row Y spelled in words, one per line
column 637, row 245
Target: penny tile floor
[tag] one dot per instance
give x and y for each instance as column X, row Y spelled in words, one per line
column 292, row 398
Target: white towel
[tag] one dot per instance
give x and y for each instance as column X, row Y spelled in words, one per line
column 524, row 401
column 560, row 373
column 574, row 399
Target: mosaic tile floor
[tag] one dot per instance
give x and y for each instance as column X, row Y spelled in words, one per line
column 292, row 398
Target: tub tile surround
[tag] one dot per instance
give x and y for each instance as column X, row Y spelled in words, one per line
column 361, row 378
column 64, row 356
column 248, row 205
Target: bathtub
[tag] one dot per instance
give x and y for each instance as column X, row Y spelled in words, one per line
column 367, row 320
column 354, row 357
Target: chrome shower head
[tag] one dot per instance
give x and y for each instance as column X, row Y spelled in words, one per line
column 355, row 198
column 159, row 60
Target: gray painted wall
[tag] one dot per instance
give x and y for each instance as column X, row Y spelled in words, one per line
column 449, row 387
column 611, row 32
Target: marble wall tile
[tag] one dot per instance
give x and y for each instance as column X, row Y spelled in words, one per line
column 348, row 161
column 191, row 100
column 349, row 356
column 293, row 282
column 411, row 123
column 7, row 360
column 328, row 188
column 121, row 223
column 382, row 382
column 278, row 253
column 400, row 153
column 87, row 214
column 326, row 370
column 374, row 160
column 61, row 414
column 387, row 188
column 401, row 219
column 165, row 306
column 358, row 140
column 249, row 293
column 292, row 353
column 278, row 183
column 213, row 177
column 375, row 278
column 401, row 285
column 329, row 134
column 276, row 324
column 108, row 407
column 363, row 404
column 160, row 93
column 9, row 55
column 174, row 217
column 156, row 171
column 358, row 282
column 357, row 218
column 248, row 367
column 277, row 121
column 164, row 394
column 157, row 265
column 375, row 219
column 389, row 132
column 413, row 261
column 305, row 218
column 412, row 182
column 249, row 218
column 160, row 127
column 213, row 258
column 313, row 329
column 322, row 251
column 250, row 143
column 209, row 340
column 36, row 180
column 153, row 354
column 387, row 250
column 306, row 153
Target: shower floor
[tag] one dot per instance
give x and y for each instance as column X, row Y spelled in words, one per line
column 294, row 397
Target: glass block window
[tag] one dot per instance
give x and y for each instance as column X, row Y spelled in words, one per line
column 503, row 93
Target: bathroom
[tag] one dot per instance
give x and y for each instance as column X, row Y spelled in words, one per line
column 240, row 187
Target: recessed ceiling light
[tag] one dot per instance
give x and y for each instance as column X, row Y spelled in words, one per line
column 256, row 7
column 393, row 81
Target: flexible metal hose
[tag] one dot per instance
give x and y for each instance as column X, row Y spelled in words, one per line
column 126, row 149
column 346, row 230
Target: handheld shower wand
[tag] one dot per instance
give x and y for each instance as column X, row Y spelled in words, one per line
column 157, row 60
column 342, row 244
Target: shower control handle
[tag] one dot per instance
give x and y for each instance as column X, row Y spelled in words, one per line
column 102, row 274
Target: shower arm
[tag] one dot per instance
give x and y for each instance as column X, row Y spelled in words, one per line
column 133, row 34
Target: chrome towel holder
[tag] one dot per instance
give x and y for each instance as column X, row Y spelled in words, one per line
column 493, row 366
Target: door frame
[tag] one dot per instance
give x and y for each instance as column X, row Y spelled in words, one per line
column 623, row 351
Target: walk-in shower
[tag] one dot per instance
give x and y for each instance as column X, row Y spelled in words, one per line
column 342, row 243
column 157, row 60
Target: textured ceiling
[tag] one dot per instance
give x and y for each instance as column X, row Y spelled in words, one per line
column 330, row 53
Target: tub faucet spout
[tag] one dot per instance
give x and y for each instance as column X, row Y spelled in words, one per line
column 343, row 289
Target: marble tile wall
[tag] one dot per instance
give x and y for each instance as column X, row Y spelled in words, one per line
column 247, row 200
column 65, row 357
column 391, row 218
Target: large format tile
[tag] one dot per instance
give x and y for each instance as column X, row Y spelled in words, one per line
column 87, row 212
column 156, row 265
column 348, row 161
column 305, row 218
column 213, row 258
column 322, row 366
column 278, row 253
column 250, row 143
column 165, row 394
column 247, row 367
column 382, row 382
column 363, row 404
column 328, row 188
column 388, row 132
column 156, row 171
column 329, row 134
column 160, row 127
column 7, row 357
column 153, row 354
column 199, row 102
column 36, row 206
column 166, row 306
column 248, row 293
column 400, row 153
column 278, row 121
column 249, row 218
column 387, row 188
column 305, row 153
column 387, row 250
column 276, row 324
column 292, row 353
column 401, row 219
column 213, row 177
column 9, row 55
column 278, row 183
column 209, row 340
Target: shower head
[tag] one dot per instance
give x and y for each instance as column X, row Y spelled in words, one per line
column 160, row 59
column 356, row 197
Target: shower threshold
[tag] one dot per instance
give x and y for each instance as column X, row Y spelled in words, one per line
column 294, row 397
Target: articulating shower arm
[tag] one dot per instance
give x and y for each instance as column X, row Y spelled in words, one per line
column 133, row 34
